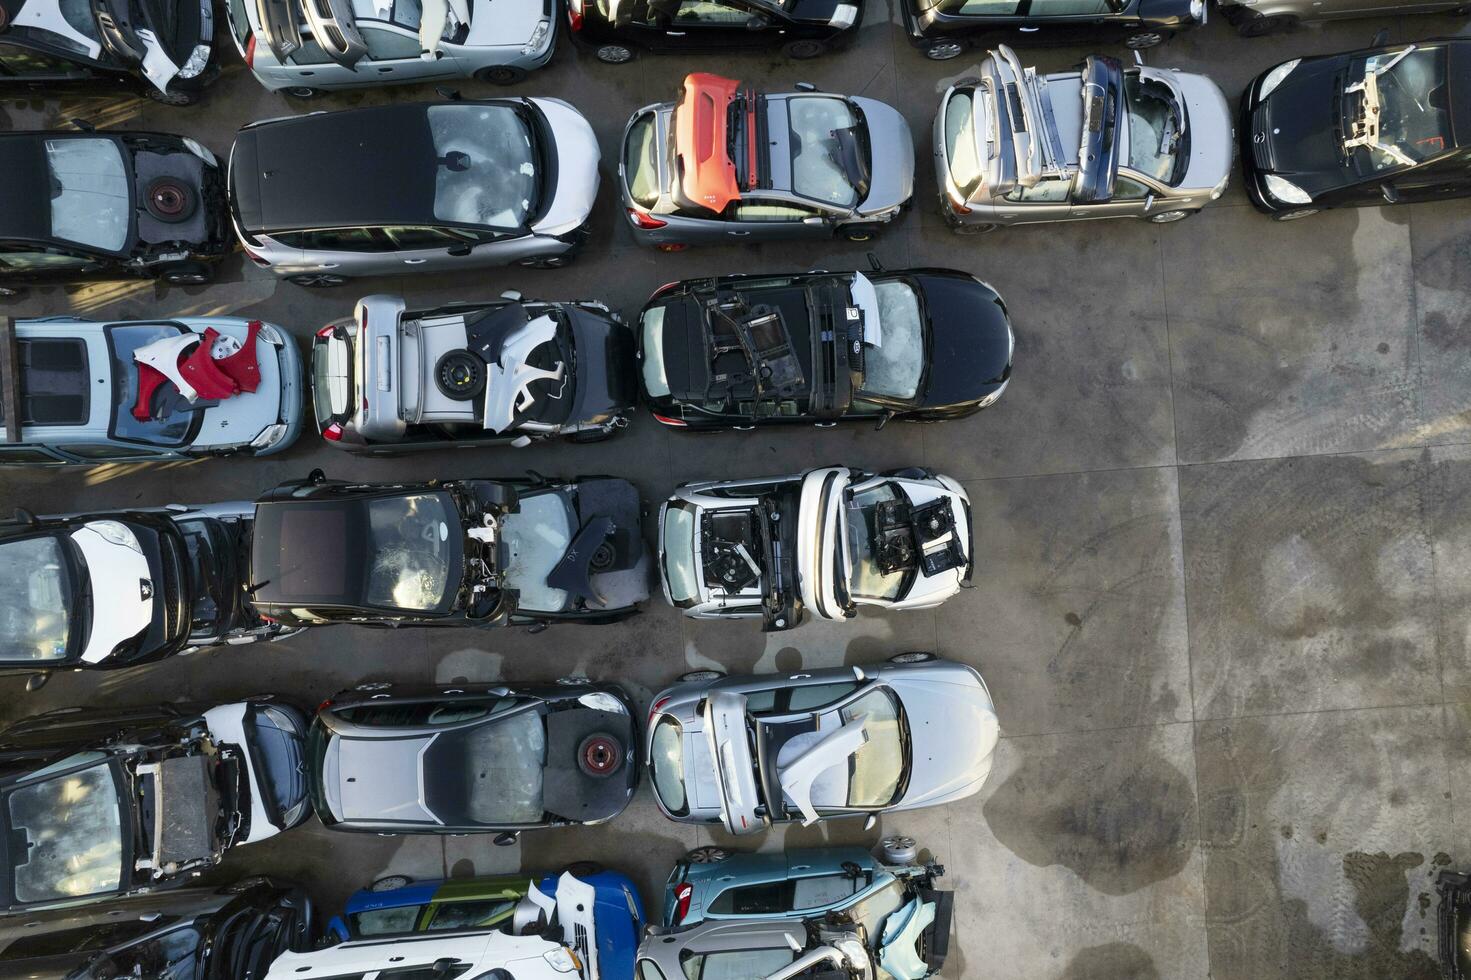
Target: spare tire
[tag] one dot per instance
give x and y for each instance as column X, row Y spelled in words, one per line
column 169, row 199
column 600, row 754
column 460, row 375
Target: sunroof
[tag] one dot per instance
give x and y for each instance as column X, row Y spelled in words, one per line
column 54, row 382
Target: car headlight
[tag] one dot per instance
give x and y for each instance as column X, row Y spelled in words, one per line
column 1274, row 78
column 1220, row 188
column 1197, row 11
column 538, row 35
column 269, row 436
column 990, row 399
column 1286, row 191
column 115, row 532
column 200, row 150
column 563, row 960
column 196, row 62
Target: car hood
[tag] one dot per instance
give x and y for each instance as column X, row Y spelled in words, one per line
column 575, row 149
column 970, row 338
column 891, row 147
column 1294, row 131
column 497, row 22
column 376, row 780
column 953, row 733
column 1211, row 127
column 236, row 420
column 122, row 587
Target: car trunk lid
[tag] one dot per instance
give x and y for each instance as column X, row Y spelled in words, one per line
column 729, row 740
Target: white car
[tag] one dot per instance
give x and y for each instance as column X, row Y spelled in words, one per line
column 825, row 541
column 306, row 47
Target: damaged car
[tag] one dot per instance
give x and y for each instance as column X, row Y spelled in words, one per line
column 729, row 165
column 81, row 206
column 473, row 759
column 1014, row 146
column 617, row 30
column 823, row 542
column 454, row 553
column 306, row 47
column 122, row 588
column 1386, row 125
column 510, row 372
column 159, row 48
column 99, row 803
column 750, row 752
column 737, row 352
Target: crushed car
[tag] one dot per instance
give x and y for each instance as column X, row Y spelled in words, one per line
column 510, row 372
column 824, row 542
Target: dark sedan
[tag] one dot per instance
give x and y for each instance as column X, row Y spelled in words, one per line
column 942, row 29
column 616, row 30
column 1385, row 125
column 474, row 758
column 736, row 352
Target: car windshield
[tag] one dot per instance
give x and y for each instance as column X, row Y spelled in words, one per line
column 1399, row 109
column 666, row 764
column 877, row 768
column 385, row 922
column 90, row 200
column 829, row 150
column 961, row 153
column 66, row 837
column 892, row 368
column 35, row 599
column 491, row 774
column 640, row 165
column 1156, row 129
column 487, row 171
column 175, row 429
column 408, row 541
column 679, row 554
column 865, row 579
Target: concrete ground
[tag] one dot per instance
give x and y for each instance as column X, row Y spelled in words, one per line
column 1222, row 587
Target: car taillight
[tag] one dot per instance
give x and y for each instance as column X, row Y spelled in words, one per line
column 669, row 421
column 682, row 896
column 326, row 331
column 255, row 256
column 332, row 433
column 250, row 51
column 645, row 220
column 324, row 706
column 657, row 707
column 574, row 14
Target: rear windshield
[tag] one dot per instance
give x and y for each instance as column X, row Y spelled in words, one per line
column 488, row 173
column 35, row 599
column 68, row 829
column 640, row 161
column 90, row 201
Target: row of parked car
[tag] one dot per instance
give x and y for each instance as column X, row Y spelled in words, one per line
column 725, row 914
column 165, row 48
column 457, row 185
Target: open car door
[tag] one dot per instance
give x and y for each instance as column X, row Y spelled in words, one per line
column 735, row 771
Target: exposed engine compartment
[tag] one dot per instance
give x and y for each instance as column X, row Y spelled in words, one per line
column 731, row 551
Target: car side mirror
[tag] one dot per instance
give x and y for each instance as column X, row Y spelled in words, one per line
column 459, row 251
column 805, row 87
column 1390, row 192
column 757, row 23
column 814, row 221
column 1148, row 201
column 1380, row 39
column 884, row 420
column 873, row 818
column 316, row 477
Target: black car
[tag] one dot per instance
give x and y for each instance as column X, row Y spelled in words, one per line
column 1454, row 924
column 942, row 29
column 86, row 205
column 227, row 932
column 1385, row 125
column 99, row 803
column 736, row 352
column 122, row 588
column 525, row 552
column 159, row 48
column 616, row 30
column 472, row 759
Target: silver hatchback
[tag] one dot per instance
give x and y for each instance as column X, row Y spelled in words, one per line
column 1013, row 146
column 414, row 187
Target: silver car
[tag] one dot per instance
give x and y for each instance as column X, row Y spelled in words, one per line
column 1255, row 18
column 350, row 44
column 748, row 752
column 727, row 165
column 1016, row 147
column 825, row 541
column 751, row 949
column 414, row 187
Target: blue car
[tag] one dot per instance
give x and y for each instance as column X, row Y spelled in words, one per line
column 712, row 883
column 397, row 906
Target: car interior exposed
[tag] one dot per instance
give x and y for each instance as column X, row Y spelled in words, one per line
column 1158, row 143
column 1399, row 107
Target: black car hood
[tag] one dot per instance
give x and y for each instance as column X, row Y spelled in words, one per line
column 970, row 339
column 1297, row 131
column 571, row 792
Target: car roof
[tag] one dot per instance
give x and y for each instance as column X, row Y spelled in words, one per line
column 369, row 166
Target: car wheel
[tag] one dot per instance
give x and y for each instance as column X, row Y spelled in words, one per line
column 974, row 229
column 1294, row 215
column 802, row 50
column 707, row 855
column 1261, row 26
column 501, row 74
column 390, row 883
column 859, row 233
column 943, row 50
column 898, row 849
column 317, row 280
column 701, row 675
column 583, row 869
column 545, row 262
column 186, row 274
column 1145, row 39
column 302, row 92
column 1166, row 217
column 912, row 657
column 172, row 98
column 614, row 54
